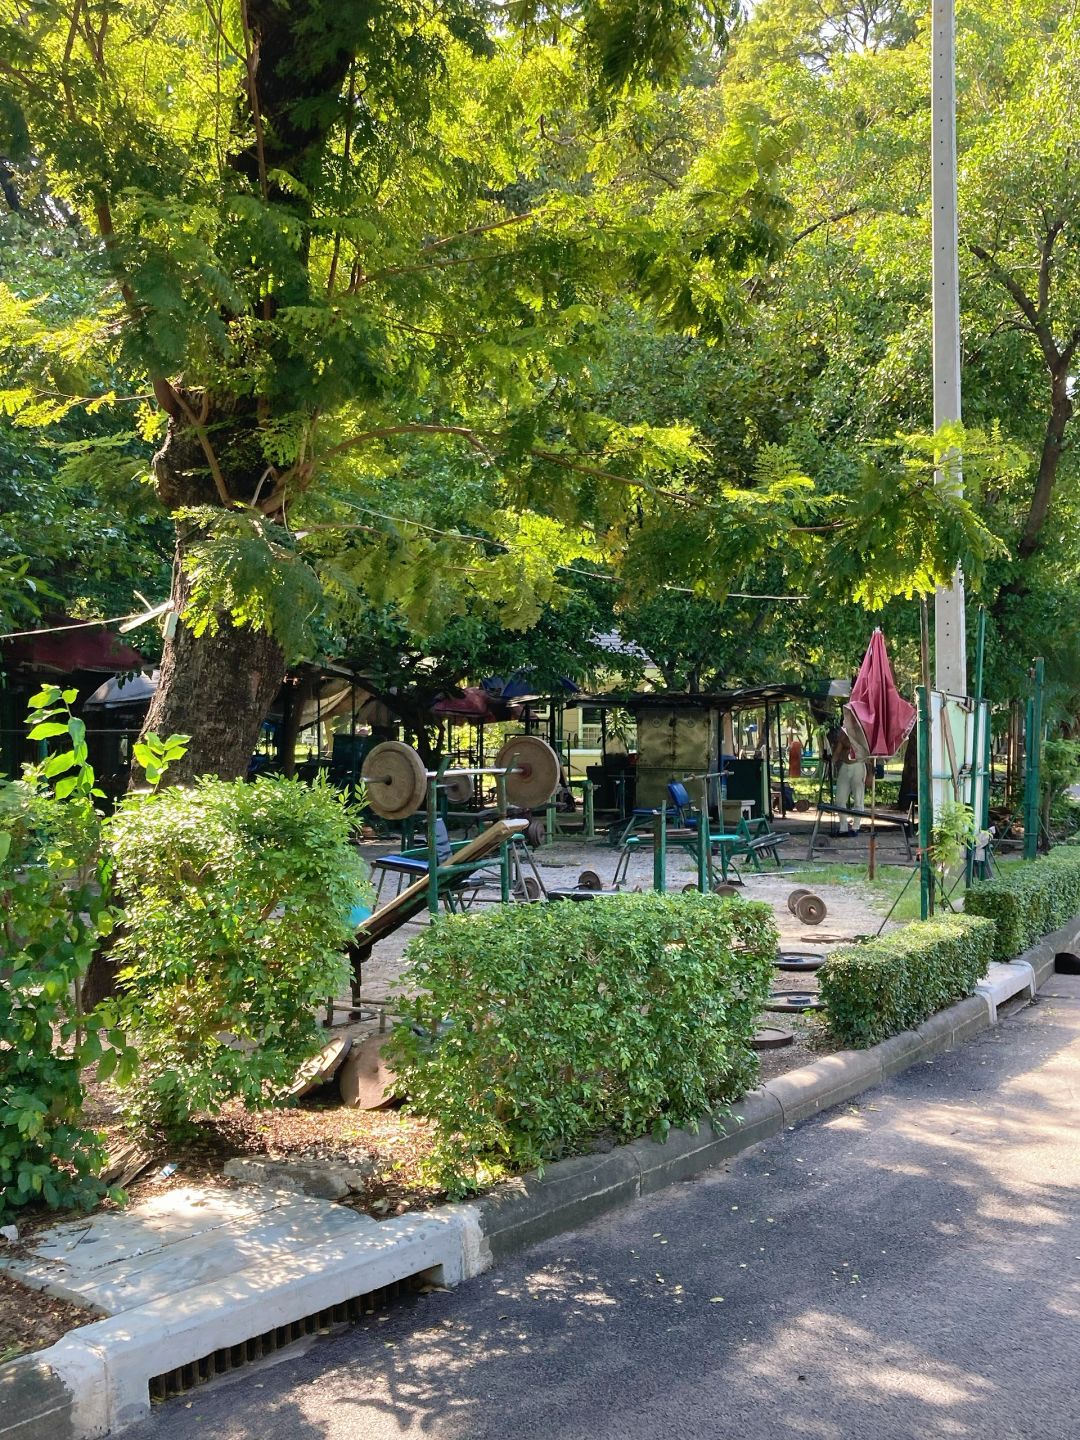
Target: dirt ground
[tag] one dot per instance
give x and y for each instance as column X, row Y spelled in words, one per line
column 31, row 1320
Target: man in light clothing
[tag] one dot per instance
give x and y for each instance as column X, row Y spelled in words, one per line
column 850, row 773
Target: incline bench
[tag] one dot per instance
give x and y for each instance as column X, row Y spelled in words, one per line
column 899, row 819
column 472, row 856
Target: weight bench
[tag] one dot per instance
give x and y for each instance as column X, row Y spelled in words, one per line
column 412, row 862
column 898, row 819
column 471, row 856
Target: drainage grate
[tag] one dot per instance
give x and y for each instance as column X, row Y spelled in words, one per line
column 270, row 1342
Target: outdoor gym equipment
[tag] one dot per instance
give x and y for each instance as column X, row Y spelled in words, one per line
column 807, row 906
column 397, row 781
column 799, row 960
column 526, row 774
column 445, row 879
column 786, row 1001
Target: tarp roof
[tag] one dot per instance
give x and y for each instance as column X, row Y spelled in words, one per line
column 87, row 645
column 746, row 698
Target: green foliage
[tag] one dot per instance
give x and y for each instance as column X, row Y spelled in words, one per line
column 1059, row 769
column 952, row 833
column 237, row 914
column 896, row 981
column 553, row 1023
column 55, row 910
column 1029, row 899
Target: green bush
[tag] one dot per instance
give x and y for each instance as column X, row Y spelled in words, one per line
column 54, row 910
column 889, row 984
column 237, row 900
column 1028, row 900
column 554, row 1023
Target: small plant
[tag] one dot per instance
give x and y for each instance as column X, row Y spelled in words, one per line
column 237, row 901
column 55, row 909
column 537, row 1027
column 952, row 835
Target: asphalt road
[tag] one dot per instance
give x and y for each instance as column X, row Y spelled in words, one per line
column 905, row 1268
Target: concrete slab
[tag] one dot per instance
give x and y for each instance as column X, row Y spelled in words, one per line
column 163, row 1220
column 154, row 1251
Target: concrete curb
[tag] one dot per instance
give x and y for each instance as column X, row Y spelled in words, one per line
column 94, row 1381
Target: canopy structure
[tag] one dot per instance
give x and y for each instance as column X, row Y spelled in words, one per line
column 65, row 647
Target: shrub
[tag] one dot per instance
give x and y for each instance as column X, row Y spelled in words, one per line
column 54, row 909
column 1029, row 899
column 237, row 900
column 556, row 1022
column 889, row 984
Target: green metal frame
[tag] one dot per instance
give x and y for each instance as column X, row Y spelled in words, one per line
column 1033, row 743
column 926, row 805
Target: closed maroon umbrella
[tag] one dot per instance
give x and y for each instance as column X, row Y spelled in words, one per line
column 877, row 718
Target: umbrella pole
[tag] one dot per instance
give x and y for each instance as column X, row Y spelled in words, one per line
column 873, row 822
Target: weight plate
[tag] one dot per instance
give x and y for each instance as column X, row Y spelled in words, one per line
column 769, row 1038
column 802, row 805
column 395, row 780
column 534, row 768
column 811, row 909
column 528, row 889
column 725, row 890
column 589, row 880
column 794, row 898
column 794, row 1001
column 365, row 1080
column 689, row 889
column 794, row 960
column 535, row 833
column 459, row 789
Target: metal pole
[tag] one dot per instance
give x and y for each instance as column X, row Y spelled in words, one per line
column 950, row 650
column 926, row 804
column 1031, row 769
column 978, row 745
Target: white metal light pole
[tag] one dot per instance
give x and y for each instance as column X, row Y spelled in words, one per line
column 950, row 630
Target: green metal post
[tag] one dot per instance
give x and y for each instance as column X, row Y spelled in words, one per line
column 550, row 823
column 703, row 843
column 504, row 848
column 982, row 721
column 432, row 843
column 1033, row 758
column 926, row 818
column 659, row 860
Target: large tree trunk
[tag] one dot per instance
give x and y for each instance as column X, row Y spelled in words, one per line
column 216, row 688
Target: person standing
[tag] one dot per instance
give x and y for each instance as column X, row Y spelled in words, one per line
column 850, row 793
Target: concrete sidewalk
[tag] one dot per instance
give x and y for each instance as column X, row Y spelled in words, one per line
column 905, row 1267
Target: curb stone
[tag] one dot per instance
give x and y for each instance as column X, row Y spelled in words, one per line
column 93, row 1382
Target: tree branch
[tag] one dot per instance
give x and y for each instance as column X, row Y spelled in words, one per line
column 1024, row 302
column 825, row 220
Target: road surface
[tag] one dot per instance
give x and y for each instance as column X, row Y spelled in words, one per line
column 905, row 1268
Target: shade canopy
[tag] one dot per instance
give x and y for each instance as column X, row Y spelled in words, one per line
column 877, row 719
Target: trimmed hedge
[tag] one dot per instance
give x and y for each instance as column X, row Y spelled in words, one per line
column 558, row 1023
column 1028, row 900
column 897, row 981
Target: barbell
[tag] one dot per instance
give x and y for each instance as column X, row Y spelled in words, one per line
column 396, row 779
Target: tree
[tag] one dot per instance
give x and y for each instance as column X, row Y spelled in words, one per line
column 851, row 300
column 326, row 236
